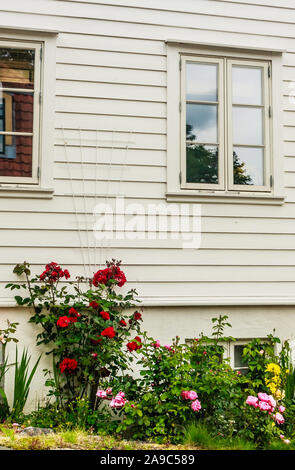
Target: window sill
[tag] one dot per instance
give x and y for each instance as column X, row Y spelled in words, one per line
column 225, row 197
column 26, row 192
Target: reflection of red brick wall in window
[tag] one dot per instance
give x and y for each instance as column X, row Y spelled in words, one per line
column 21, row 166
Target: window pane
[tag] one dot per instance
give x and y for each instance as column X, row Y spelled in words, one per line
column 16, row 68
column 201, row 164
column 201, row 82
column 247, row 126
column 238, row 356
column 248, row 166
column 16, row 156
column 247, row 85
column 201, row 123
column 17, row 112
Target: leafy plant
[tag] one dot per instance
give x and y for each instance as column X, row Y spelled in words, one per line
column 22, row 382
column 5, row 338
column 85, row 323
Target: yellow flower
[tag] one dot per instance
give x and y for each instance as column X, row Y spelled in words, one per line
column 273, row 368
column 280, row 394
column 287, row 371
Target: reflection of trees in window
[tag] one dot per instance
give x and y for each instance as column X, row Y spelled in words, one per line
column 202, row 163
column 240, row 175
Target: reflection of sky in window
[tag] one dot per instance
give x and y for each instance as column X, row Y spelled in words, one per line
column 203, row 119
column 254, row 163
column 201, row 82
column 247, row 85
column 247, row 126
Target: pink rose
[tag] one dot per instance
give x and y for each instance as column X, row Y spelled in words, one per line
column 281, row 409
column 101, row 394
column 272, row 402
column 263, row 406
column 192, row 395
column 263, row 397
column 157, row 344
column 167, row 346
column 252, row 401
column 184, row 394
column 196, row 405
column 117, row 402
column 279, row 418
column 109, row 391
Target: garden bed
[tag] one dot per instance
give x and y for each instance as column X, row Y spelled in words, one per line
column 184, row 395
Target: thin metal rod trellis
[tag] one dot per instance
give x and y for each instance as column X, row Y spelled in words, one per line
column 85, row 203
column 74, row 202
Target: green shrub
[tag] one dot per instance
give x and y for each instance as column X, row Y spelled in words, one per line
column 84, row 322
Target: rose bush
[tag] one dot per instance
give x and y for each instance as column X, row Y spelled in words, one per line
column 86, row 322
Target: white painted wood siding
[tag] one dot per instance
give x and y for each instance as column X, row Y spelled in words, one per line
column 111, row 76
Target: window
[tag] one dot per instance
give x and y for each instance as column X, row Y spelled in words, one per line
column 238, row 362
column 232, row 351
column 20, row 76
column 225, row 124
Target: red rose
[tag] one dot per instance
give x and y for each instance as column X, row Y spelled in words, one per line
column 137, row 316
column 105, row 315
column 109, row 332
column 53, row 273
column 132, row 346
column 123, row 323
column 120, row 277
column 137, row 338
column 68, row 365
column 93, row 304
column 112, row 272
column 64, row 321
column 73, row 312
column 67, row 274
column 102, row 276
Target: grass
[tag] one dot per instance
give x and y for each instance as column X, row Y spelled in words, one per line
column 199, row 435
column 78, row 439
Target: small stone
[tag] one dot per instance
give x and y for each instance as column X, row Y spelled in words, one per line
column 31, row 431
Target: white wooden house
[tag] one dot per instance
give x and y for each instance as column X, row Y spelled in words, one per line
column 153, row 105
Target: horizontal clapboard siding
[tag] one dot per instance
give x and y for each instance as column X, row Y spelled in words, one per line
column 110, row 139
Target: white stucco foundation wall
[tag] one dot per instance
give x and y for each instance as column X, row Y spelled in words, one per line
column 162, row 323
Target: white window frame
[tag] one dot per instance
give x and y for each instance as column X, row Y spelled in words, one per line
column 37, row 47
column 229, row 349
column 41, row 187
column 266, row 106
column 220, row 126
column 243, row 342
column 177, row 189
